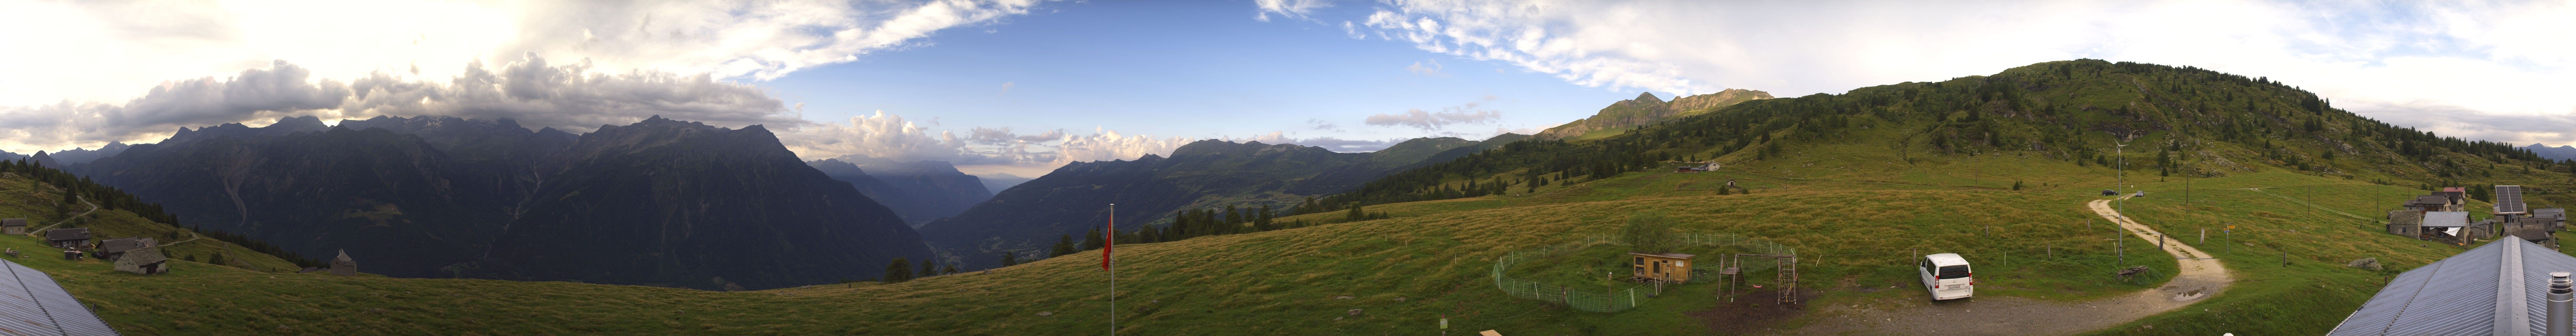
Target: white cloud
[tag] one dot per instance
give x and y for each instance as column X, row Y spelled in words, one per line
column 84, row 73
column 1429, row 120
column 531, row 90
column 2505, row 59
column 1295, row 9
column 1433, row 70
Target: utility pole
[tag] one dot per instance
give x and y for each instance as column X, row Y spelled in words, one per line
column 2121, row 172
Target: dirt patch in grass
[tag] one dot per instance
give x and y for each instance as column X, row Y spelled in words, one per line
column 1752, row 313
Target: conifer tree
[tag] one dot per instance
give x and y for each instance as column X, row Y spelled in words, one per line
column 1063, row 246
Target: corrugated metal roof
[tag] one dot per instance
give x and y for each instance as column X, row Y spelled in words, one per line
column 2446, row 218
column 2472, row 293
column 32, row 304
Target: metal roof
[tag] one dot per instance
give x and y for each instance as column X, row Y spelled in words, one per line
column 2509, row 200
column 2446, row 218
column 32, row 304
column 2496, row 289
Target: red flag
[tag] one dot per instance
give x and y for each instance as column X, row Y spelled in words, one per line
column 1111, row 240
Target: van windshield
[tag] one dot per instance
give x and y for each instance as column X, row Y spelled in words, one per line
column 1953, row 272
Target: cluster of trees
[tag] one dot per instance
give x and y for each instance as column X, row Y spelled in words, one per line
column 77, row 188
column 900, row 270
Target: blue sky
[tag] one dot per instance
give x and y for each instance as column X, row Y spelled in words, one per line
column 1023, row 86
column 1196, row 69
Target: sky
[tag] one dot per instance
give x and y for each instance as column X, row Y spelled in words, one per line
column 1023, row 86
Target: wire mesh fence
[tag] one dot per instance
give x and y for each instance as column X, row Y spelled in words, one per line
column 1599, row 301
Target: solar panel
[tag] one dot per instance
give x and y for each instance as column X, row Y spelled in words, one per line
column 2509, row 200
column 34, row 305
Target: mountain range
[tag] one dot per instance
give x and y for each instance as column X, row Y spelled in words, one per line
column 919, row 191
column 659, row 202
column 1075, row 199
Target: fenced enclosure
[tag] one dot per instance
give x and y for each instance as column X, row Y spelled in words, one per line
column 1594, row 300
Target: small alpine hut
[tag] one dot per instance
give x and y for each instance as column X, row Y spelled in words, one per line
column 2455, row 222
column 2408, row 223
column 1668, row 267
column 15, row 226
column 146, row 261
column 67, row 238
column 115, row 248
column 343, row 265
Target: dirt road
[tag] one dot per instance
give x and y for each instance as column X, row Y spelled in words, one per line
column 2201, row 277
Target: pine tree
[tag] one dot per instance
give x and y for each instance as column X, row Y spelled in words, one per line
column 929, row 267
column 1355, row 214
column 1091, row 240
column 1063, row 246
column 1010, row 258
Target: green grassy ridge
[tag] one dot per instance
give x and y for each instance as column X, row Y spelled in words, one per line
column 24, row 198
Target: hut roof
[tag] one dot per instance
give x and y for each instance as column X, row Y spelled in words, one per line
column 2430, row 200
column 13, row 222
column 46, row 309
column 124, row 244
column 2494, row 289
column 2446, row 218
column 144, row 256
column 67, row 234
column 2406, row 217
column 1663, row 255
column 344, row 257
column 2550, row 213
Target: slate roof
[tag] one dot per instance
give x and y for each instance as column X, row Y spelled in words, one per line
column 67, row 234
column 32, row 304
column 2550, row 213
column 13, row 222
column 124, row 244
column 2495, row 289
column 2446, row 218
column 2406, row 217
column 145, row 256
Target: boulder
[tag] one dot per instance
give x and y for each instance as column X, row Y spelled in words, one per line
column 1355, row 312
column 2370, row 263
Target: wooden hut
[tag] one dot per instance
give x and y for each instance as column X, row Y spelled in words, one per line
column 15, row 226
column 343, row 265
column 1672, row 267
column 146, row 261
column 67, row 238
column 115, row 248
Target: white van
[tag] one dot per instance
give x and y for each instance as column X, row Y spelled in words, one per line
column 1947, row 276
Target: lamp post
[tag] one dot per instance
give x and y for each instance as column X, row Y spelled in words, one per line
column 2121, row 173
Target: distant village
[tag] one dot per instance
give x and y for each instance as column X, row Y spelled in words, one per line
column 2440, row 217
column 138, row 255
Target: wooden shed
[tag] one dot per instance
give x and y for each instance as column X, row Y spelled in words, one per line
column 67, row 238
column 1673, row 267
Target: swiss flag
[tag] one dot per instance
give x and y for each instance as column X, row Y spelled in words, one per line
column 1111, row 239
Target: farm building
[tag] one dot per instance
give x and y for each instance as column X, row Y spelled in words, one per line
column 343, row 265
column 1670, row 267
column 38, row 306
column 67, row 238
column 2450, row 227
column 2431, row 203
column 146, row 261
column 15, row 226
column 2536, row 230
column 2407, row 223
column 2556, row 216
column 113, row 248
column 2497, row 289
column 2458, row 195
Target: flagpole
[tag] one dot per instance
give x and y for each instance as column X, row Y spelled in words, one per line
column 1109, row 259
